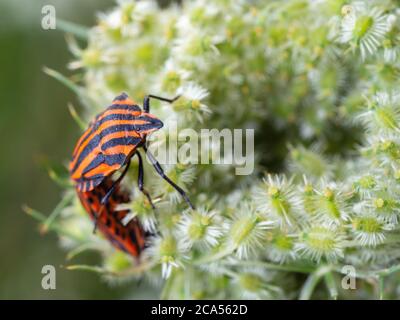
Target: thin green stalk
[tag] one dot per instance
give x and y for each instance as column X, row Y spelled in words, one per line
column 230, row 273
column 167, row 287
column 64, row 80
column 54, row 227
column 365, row 274
column 73, row 45
column 79, row 91
column 271, row 266
column 187, row 281
column 312, row 282
column 56, row 212
column 214, row 257
column 77, row 30
column 388, row 271
column 95, row 269
column 331, row 285
column 63, row 182
column 82, row 124
column 381, row 282
column 135, row 270
column 82, row 248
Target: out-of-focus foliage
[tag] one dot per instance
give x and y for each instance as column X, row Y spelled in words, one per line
column 318, row 81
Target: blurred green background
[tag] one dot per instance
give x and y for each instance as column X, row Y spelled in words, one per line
column 36, row 127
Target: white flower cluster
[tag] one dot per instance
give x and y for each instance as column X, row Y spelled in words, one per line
column 317, row 81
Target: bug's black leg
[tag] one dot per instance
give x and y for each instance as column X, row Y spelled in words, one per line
column 109, row 193
column 160, row 171
column 146, row 101
column 141, row 178
column 114, row 185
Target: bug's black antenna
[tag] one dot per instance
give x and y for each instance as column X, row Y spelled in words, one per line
column 160, row 171
column 146, row 101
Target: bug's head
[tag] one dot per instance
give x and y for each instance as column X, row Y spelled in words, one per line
column 149, row 123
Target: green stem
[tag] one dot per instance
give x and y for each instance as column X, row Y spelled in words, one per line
column 214, row 257
column 78, row 90
column 64, row 80
column 167, row 287
column 135, row 270
column 94, row 269
column 82, row 248
column 388, row 271
column 331, row 285
column 77, row 30
column 372, row 274
column 381, row 281
column 312, row 281
column 82, row 124
column 230, row 273
column 54, row 227
column 271, row 266
column 56, row 212
column 187, row 284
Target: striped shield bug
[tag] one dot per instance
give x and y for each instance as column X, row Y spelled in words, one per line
column 110, row 142
column 130, row 237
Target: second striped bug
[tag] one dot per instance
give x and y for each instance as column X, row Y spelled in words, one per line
column 129, row 237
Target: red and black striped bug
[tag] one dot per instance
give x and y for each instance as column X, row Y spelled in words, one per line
column 110, row 142
column 129, row 238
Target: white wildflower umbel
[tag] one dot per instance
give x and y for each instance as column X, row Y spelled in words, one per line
column 363, row 28
column 321, row 242
column 275, row 198
column 272, row 66
column 200, row 227
column 247, row 231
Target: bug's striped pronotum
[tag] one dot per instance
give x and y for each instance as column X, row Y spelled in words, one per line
column 110, row 142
